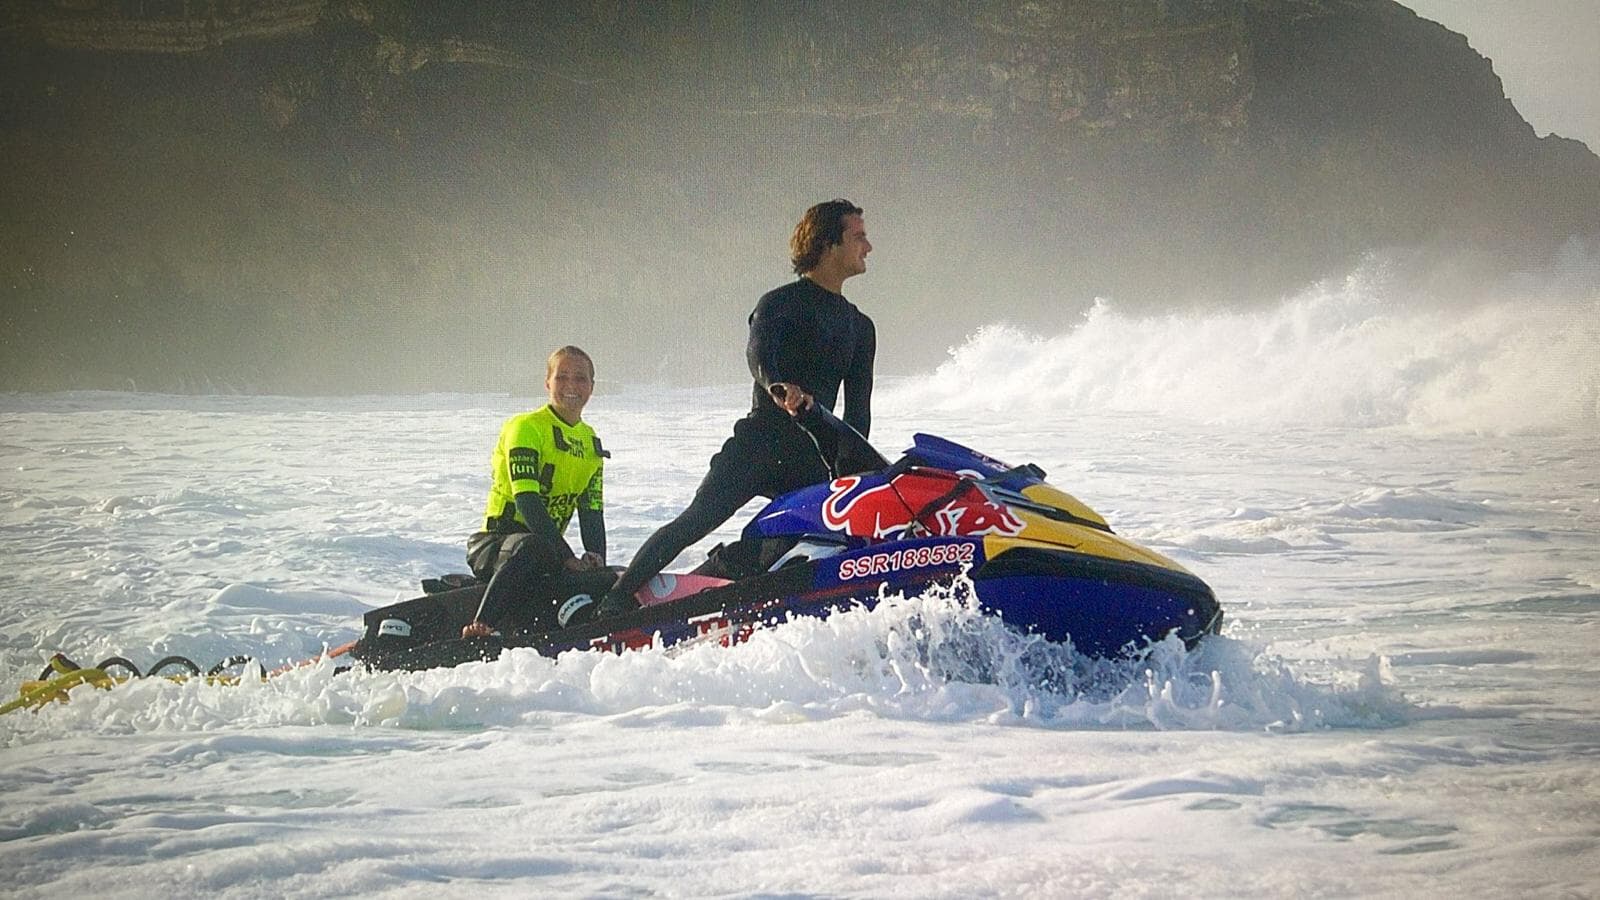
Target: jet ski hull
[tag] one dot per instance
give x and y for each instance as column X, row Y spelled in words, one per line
column 1103, row 607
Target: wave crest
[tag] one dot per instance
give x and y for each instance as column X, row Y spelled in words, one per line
column 1361, row 351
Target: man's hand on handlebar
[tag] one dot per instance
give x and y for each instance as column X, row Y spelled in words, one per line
column 791, row 398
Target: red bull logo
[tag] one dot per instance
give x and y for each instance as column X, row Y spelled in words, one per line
column 889, row 510
column 874, row 512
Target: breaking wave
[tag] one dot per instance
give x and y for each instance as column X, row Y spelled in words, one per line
column 1361, row 351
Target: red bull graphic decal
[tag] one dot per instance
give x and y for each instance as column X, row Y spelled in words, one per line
column 883, row 511
column 874, row 512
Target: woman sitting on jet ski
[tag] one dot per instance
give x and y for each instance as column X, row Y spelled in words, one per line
column 547, row 464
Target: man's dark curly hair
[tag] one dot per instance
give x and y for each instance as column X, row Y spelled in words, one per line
column 820, row 228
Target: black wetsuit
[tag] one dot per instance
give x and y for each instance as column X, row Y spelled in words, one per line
column 799, row 334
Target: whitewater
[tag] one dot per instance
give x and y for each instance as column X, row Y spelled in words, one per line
column 1397, row 504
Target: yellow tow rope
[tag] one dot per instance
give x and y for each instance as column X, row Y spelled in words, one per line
column 48, row 687
column 69, row 675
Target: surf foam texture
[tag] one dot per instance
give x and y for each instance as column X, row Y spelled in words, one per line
column 1357, row 351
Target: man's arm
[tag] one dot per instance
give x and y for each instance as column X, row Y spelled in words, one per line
column 776, row 336
column 858, row 380
column 775, row 354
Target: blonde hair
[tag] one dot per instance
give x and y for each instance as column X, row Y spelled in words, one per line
column 568, row 350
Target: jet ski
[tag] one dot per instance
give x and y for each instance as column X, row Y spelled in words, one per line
column 1035, row 556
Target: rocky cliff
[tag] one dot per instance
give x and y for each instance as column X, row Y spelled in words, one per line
column 314, row 195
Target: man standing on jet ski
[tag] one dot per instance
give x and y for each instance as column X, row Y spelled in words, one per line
column 547, row 464
column 806, row 341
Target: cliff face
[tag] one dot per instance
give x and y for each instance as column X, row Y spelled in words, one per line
column 312, row 195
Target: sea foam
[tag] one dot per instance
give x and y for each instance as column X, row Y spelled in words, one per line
column 1358, row 351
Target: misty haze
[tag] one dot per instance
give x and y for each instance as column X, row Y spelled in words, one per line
column 320, row 197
